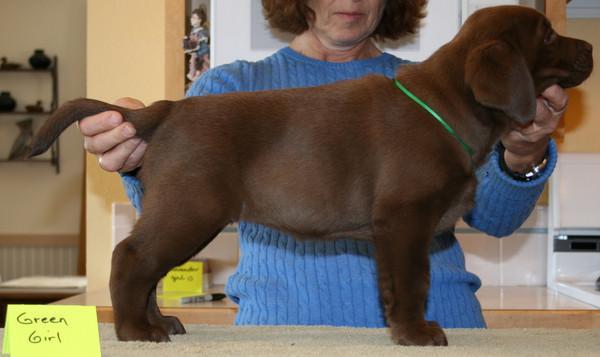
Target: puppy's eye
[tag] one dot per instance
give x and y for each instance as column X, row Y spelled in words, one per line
column 550, row 37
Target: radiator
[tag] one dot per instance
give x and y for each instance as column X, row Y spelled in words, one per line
column 19, row 261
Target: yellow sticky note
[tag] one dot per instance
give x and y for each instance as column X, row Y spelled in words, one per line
column 184, row 278
column 51, row 330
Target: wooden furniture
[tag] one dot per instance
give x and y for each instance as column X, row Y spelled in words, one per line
column 556, row 12
column 214, row 313
column 510, row 307
column 535, row 307
column 32, row 296
column 53, row 72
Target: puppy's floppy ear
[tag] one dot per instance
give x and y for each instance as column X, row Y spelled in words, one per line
column 499, row 78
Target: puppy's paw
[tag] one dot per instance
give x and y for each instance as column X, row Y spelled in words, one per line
column 172, row 325
column 427, row 333
column 130, row 332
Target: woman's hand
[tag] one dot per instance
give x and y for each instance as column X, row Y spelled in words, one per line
column 112, row 140
column 526, row 146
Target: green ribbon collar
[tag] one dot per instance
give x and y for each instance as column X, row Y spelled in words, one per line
column 448, row 128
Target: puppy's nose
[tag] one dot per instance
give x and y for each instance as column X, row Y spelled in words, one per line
column 584, row 61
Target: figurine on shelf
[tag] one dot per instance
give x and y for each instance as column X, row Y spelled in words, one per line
column 35, row 108
column 197, row 44
column 22, row 145
column 8, row 65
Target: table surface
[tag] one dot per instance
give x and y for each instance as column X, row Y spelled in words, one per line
column 261, row 341
column 101, row 298
column 503, row 307
column 491, row 298
column 13, row 293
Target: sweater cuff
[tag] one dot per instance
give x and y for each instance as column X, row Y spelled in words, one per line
column 495, row 164
column 133, row 189
column 502, row 203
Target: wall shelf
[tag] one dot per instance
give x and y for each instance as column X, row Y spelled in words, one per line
column 20, row 113
column 49, row 69
column 54, row 159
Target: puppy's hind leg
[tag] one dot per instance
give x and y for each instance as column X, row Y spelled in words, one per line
column 401, row 236
column 172, row 228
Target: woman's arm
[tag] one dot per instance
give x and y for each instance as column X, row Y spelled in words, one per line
column 502, row 203
column 504, row 199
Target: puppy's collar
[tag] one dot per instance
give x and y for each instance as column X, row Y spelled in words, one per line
column 446, row 126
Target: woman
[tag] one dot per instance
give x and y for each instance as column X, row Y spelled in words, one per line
column 283, row 281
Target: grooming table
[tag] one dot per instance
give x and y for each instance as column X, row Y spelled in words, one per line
column 205, row 340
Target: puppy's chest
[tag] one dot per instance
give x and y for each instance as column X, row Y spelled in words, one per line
column 461, row 205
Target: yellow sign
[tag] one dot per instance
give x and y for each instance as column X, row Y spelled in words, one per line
column 51, row 330
column 186, row 278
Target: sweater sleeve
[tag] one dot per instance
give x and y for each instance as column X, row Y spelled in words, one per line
column 502, row 204
column 218, row 80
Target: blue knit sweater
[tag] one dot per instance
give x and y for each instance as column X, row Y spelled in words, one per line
column 280, row 280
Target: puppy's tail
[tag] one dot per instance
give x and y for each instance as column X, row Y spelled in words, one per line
column 145, row 120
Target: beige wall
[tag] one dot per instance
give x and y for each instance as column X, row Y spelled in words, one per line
column 33, row 199
column 133, row 50
column 582, row 120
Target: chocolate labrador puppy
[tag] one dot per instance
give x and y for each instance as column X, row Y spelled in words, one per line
column 354, row 159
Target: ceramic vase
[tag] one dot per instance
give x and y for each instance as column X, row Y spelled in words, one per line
column 39, row 60
column 7, row 103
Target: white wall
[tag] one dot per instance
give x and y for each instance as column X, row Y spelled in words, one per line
column 33, row 199
column 583, row 9
column 517, row 260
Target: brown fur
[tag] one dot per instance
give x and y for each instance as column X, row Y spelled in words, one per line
column 352, row 159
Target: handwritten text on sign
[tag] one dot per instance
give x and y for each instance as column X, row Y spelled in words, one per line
column 51, row 330
column 185, row 278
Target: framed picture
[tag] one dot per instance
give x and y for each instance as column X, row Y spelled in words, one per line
column 470, row 6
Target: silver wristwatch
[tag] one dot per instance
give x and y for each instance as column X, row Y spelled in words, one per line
column 534, row 172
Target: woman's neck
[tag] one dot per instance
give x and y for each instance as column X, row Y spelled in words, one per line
column 309, row 45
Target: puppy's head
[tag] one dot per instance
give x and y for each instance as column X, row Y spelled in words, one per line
column 513, row 54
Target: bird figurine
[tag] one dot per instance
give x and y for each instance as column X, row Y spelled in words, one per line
column 4, row 64
column 22, row 145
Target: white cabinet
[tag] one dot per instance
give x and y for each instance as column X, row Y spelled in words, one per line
column 574, row 227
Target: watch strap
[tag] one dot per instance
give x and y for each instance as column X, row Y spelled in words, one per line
column 533, row 173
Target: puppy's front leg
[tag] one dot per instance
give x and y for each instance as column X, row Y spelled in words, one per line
column 170, row 324
column 401, row 235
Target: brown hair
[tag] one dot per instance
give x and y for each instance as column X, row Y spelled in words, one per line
column 399, row 17
column 201, row 13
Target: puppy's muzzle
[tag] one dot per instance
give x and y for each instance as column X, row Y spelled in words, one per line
column 582, row 65
column 584, row 61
